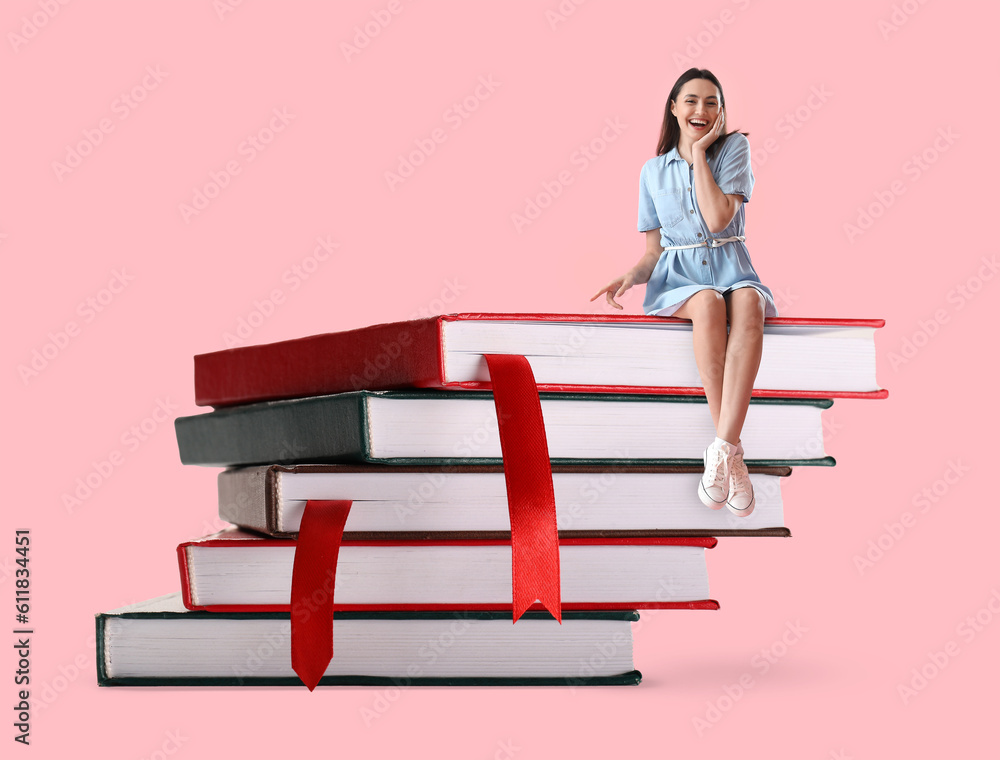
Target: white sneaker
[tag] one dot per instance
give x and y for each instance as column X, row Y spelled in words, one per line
column 713, row 488
column 741, row 499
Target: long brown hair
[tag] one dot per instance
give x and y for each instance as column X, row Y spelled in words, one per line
column 670, row 132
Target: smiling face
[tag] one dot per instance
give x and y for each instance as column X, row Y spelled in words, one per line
column 696, row 109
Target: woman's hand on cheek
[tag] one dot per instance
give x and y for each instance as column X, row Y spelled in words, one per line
column 712, row 135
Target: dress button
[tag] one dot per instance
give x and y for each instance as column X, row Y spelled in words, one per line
column 689, row 189
column 704, row 262
column 699, row 234
column 691, row 211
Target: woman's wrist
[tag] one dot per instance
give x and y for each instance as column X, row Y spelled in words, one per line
column 641, row 271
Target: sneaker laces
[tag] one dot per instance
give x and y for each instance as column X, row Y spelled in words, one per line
column 716, row 458
column 738, row 473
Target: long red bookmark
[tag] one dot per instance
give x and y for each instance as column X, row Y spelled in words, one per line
column 534, row 534
column 314, row 572
column 531, row 502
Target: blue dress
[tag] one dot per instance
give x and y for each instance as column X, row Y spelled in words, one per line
column 667, row 200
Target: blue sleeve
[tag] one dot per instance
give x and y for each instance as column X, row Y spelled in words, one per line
column 648, row 219
column 734, row 175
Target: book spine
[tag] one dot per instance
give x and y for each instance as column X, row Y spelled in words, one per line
column 101, row 662
column 182, row 566
column 379, row 357
column 313, row 429
column 247, row 498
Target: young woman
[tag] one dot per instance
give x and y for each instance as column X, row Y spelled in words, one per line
column 697, row 267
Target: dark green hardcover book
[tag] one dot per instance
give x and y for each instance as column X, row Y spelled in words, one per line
column 159, row 643
column 460, row 427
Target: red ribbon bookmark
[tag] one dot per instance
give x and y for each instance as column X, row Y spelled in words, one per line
column 314, row 572
column 534, row 534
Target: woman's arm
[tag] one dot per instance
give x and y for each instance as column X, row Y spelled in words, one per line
column 717, row 208
column 636, row 275
column 644, row 268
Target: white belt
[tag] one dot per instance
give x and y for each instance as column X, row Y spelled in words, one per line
column 710, row 243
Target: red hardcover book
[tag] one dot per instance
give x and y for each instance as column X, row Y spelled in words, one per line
column 805, row 358
column 237, row 571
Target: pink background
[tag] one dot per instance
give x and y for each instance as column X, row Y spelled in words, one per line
column 445, row 240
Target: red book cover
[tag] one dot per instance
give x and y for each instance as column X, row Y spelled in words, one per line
column 412, row 355
column 234, row 539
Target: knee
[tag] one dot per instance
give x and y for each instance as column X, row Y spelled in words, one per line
column 708, row 308
column 746, row 312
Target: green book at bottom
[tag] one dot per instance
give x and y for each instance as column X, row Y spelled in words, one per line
column 160, row 643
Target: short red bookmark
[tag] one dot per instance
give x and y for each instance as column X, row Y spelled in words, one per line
column 314, row 572
column 534, row 533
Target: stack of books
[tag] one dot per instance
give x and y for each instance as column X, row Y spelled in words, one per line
column 397, row 427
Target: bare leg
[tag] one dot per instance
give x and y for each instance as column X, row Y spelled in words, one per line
column 707, row 311
column 743, row 351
